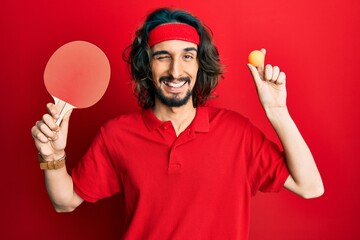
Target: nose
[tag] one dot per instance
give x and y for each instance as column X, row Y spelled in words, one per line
column 176, row 68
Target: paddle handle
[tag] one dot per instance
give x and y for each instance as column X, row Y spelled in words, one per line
column 64, row 108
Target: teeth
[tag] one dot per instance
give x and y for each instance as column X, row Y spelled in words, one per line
column 175, row 85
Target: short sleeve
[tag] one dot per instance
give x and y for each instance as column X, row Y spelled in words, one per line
column 266, row 165
column 94, row 176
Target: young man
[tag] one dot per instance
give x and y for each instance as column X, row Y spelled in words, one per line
column 186, row 171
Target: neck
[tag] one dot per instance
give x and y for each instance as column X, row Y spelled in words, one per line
column 181, row 117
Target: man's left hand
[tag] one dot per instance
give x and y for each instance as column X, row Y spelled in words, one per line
column 270, row 84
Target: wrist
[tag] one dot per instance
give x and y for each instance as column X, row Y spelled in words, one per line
column 54, row 156
column 276, row 112
column 277, row 115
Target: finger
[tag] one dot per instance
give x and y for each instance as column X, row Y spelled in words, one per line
column 38, row 135
column 275, row 74
column 268, row 72
column 46, row 131
column 263, row 50
column 50, row 122
column 281, row 79
column 261, row 67
column 53, row 110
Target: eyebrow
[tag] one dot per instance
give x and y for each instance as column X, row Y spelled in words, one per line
column 190, row 49
column 160, row 52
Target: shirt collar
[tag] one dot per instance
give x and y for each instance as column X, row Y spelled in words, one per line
column 199, row 124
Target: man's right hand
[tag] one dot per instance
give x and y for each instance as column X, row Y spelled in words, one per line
column 50, row 139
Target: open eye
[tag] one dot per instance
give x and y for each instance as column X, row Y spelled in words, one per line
column 188, row 57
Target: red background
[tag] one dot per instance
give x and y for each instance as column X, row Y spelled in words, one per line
column 315, row 42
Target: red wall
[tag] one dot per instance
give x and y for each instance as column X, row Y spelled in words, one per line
column 315, row 42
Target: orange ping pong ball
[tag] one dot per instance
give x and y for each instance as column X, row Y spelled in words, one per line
column 256, row 58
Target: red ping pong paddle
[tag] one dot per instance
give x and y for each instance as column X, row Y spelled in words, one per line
column 76, row 76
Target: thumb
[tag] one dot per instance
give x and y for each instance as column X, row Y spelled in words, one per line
column 255, row 73
column 65, row 121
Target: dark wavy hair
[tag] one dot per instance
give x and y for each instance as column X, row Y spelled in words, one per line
column 138, row 55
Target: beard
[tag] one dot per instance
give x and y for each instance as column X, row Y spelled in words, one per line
column 175, row 100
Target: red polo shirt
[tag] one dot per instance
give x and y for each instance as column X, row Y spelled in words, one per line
column 194, row 186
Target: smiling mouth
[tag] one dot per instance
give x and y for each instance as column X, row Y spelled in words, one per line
column 174, row 83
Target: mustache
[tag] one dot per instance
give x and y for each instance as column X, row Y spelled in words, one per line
column 171, row 78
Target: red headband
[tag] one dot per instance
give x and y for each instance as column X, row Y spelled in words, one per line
column 173, row 31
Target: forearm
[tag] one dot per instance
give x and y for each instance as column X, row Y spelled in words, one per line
column 60, row 188
column 305, row 178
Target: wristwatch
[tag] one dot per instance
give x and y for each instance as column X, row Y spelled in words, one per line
column 51, row 165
